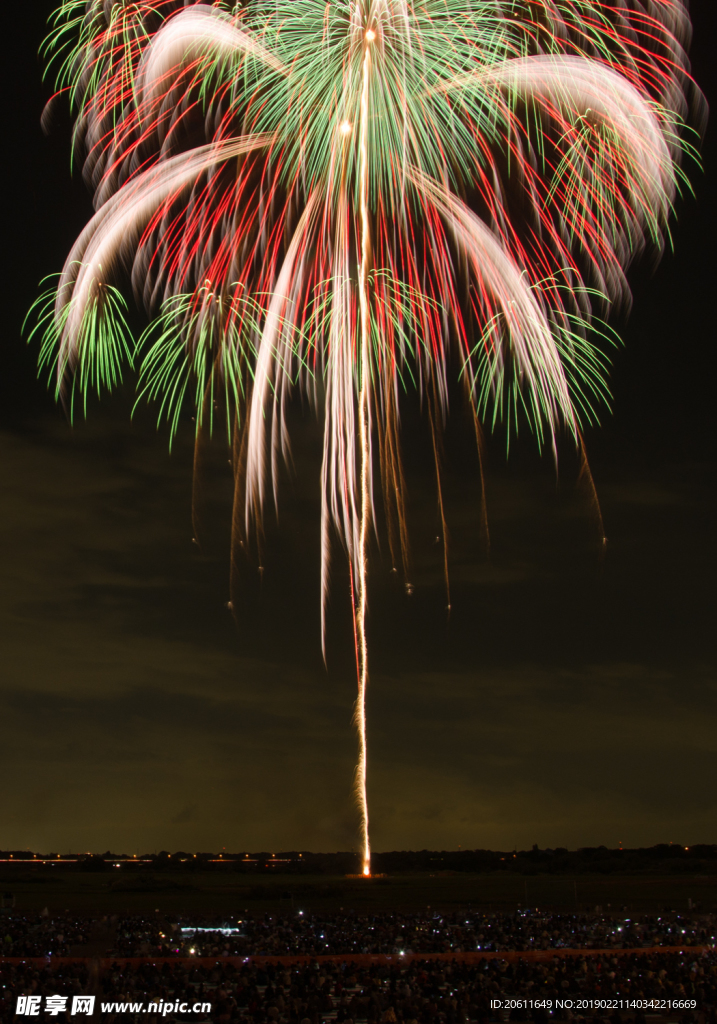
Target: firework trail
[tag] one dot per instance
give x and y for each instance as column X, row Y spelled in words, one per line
column 341, row 197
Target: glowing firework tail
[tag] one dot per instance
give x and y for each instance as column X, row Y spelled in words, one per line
column 364, row 441
column 341, row 196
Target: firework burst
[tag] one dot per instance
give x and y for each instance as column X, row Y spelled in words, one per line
column 342, row 197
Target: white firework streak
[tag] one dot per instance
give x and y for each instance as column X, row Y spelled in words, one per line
column 189, row 35
column 273, row 363
column 118, row 226
column 578, row 85
column 531, row 338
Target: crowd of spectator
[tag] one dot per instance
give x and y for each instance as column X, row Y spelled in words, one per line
column 39, row 934
column 303, row 933
column 316, row 934
column 412, row 991
column 415, row 992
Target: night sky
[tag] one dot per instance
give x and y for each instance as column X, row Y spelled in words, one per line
column 571, row 699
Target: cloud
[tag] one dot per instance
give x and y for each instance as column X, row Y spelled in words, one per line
column 559, row 704
column 571, row 757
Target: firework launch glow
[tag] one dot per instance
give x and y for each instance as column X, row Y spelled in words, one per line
column 348, row 198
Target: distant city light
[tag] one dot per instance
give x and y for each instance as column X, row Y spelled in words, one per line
column 223, row 930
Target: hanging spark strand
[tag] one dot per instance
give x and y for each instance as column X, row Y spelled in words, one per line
column 338, row 198
column 365, row 444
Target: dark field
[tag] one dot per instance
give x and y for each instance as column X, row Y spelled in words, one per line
column 117, row 891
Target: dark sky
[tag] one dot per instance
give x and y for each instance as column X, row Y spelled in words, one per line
column 571, row 700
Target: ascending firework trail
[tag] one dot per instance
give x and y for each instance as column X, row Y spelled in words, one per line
column 335, row 196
